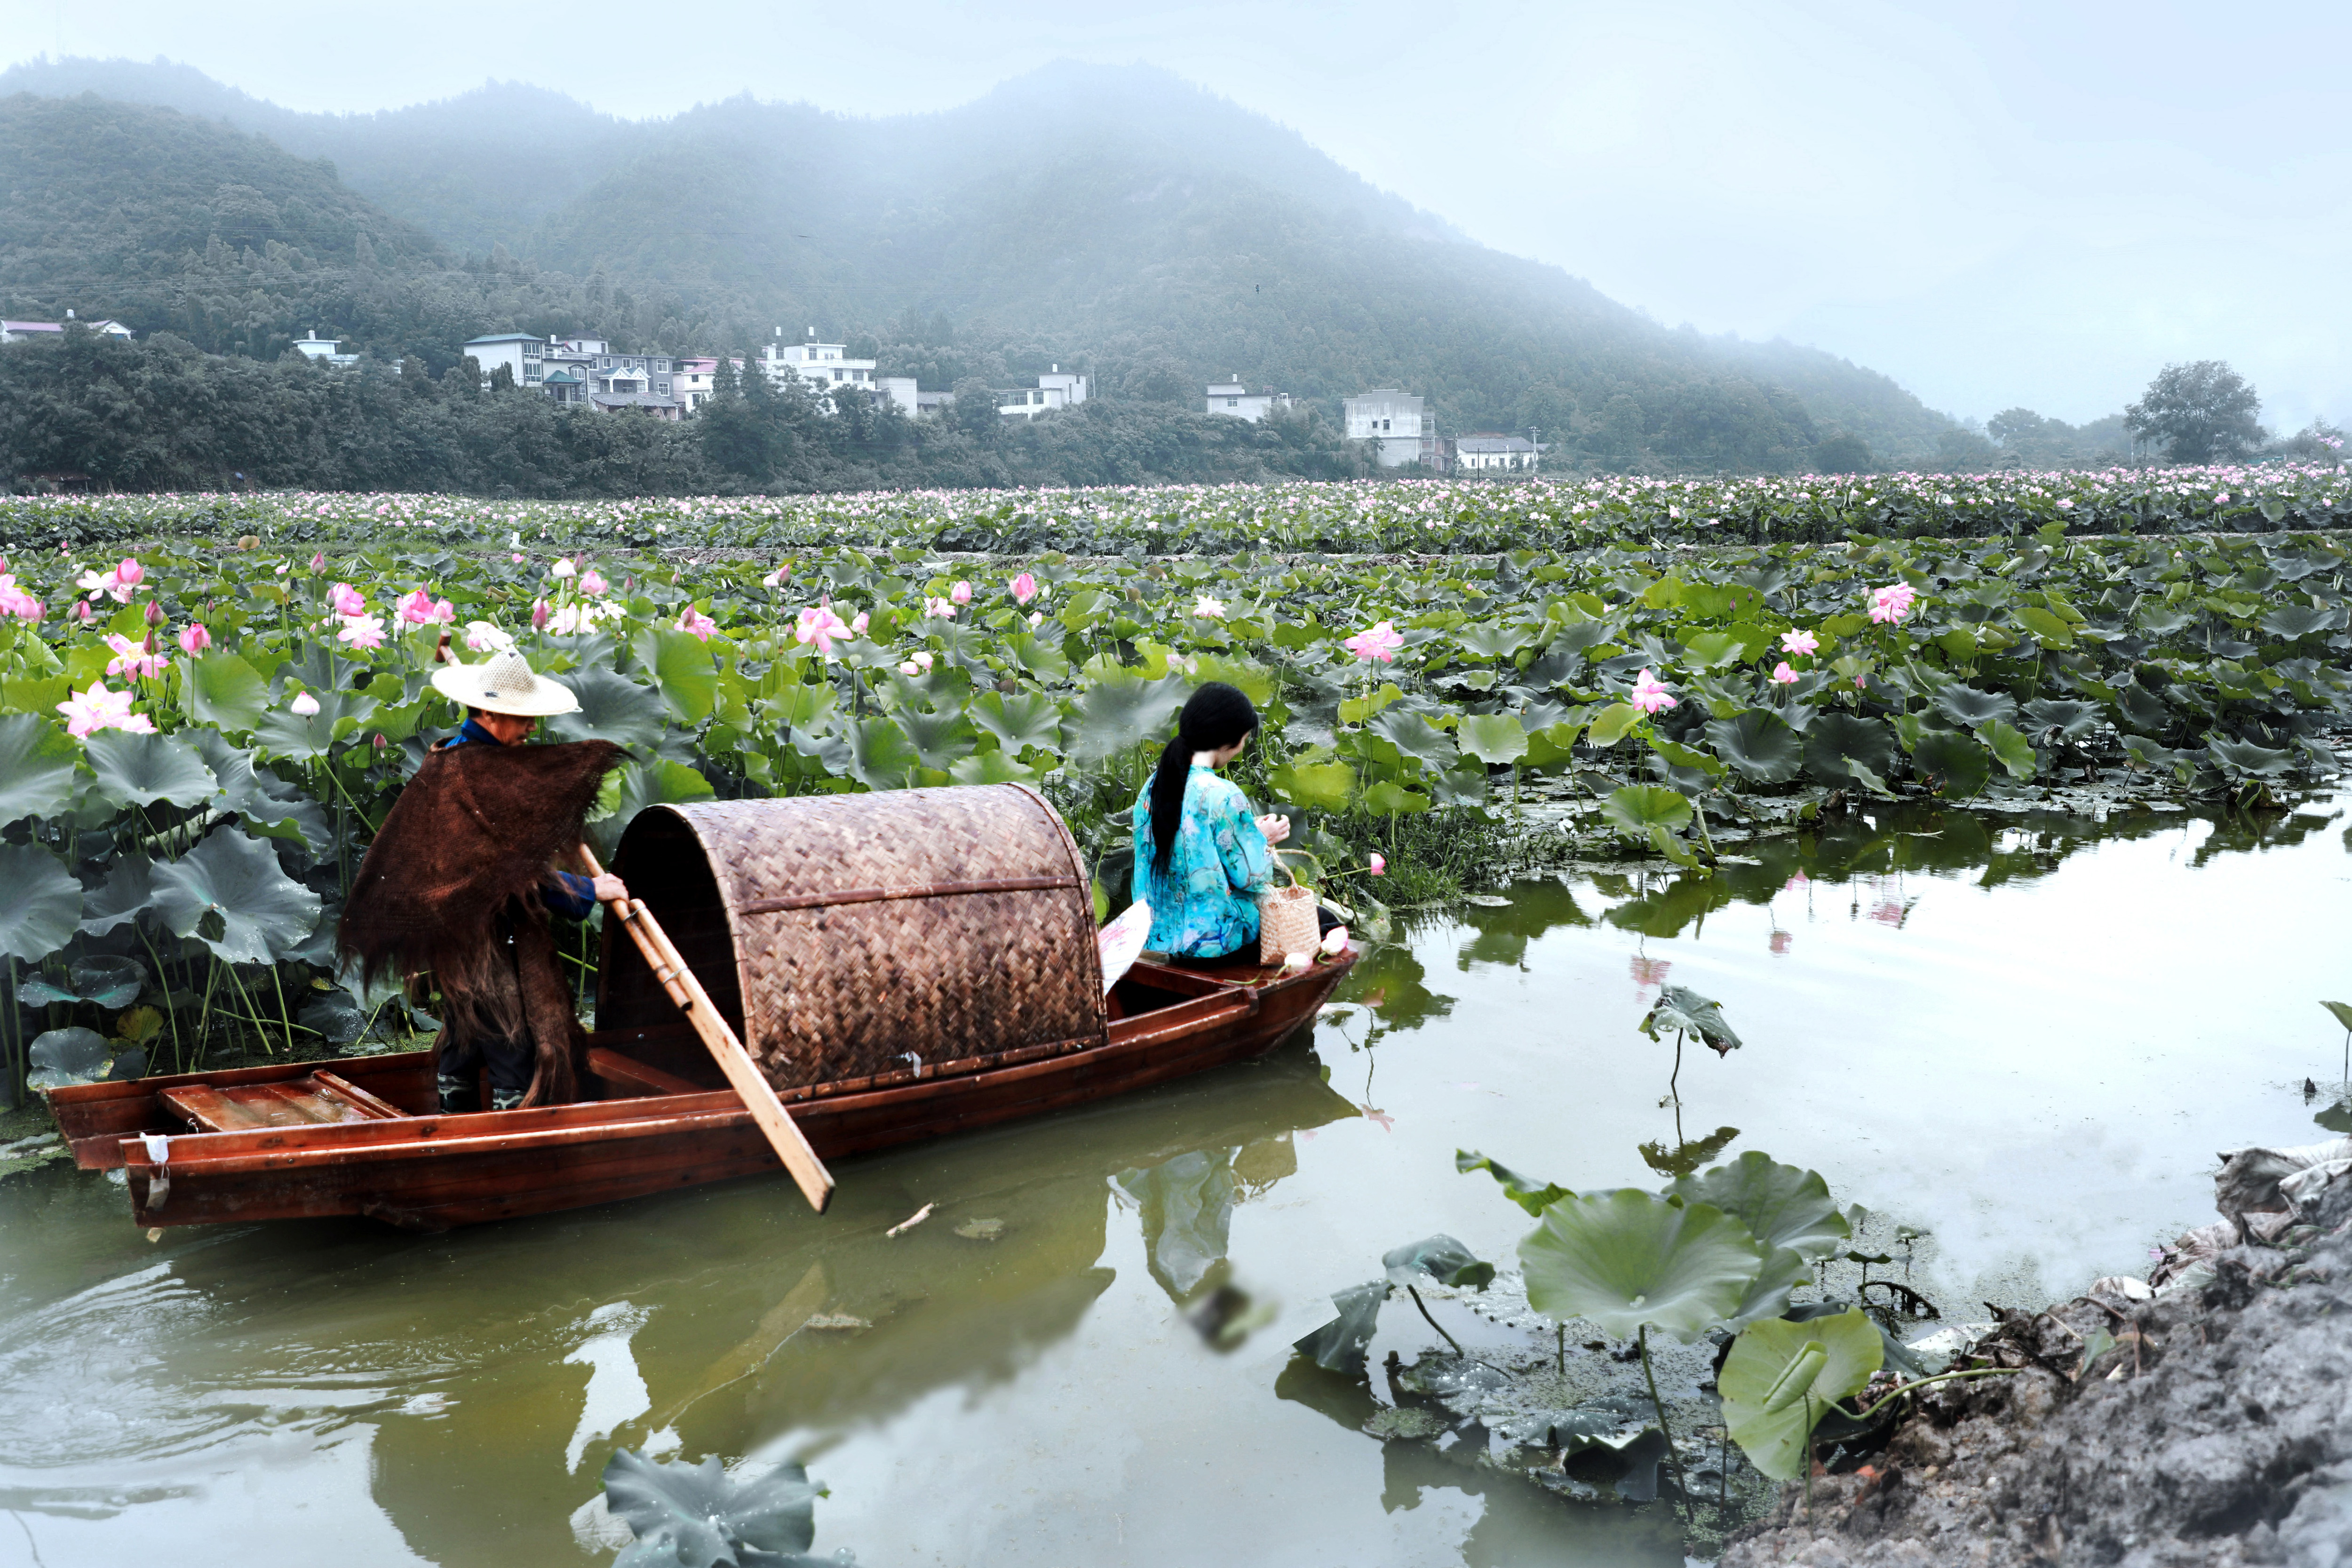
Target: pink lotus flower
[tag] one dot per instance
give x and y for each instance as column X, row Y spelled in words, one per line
column 129, row 573
column 98, row 708
column 910, row 668
column 1780, row 941
column 961, row 593
column 1024, row 588
column 1293, row 961
column 345, row 600
column 1037, row 618
column 82, row 612
column 304, row 706
column 1649, row 695
column 134, row 659
column 1335, row 941
column 1800, row 642
column 1379, row 864
column 421, row 608
column 938, row 609
column 694, row 622
column 859, row 623
column 1861, row 682
column 1891, row 605
column 14, row 601
column 1378, row 645
column 516, row 558
column 592, row 584
column 1782, row 674
column 820, row 625
column 1208, row 609
column 539, row 614
column 319, row 561
column 362, row 631
column 109, row 584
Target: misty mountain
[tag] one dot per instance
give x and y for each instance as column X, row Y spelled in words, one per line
column 1118, row 219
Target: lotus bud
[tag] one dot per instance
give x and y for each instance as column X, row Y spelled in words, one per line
column 380, row 741
column 81, row 611
column 538, row 615
column 319, row 561
column 154, row 613
column 563, row 568
column 195, row 639
column 1380, row 864
column 1335, row 941
column 304, row 705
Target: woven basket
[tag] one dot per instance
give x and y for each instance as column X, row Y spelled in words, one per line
column 858, row 936
column 1285, row 918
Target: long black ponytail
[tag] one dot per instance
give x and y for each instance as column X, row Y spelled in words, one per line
column 1214, row 717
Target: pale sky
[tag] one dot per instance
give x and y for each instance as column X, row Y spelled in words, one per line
column 1994, row 203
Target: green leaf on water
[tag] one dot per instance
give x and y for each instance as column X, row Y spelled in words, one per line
column 1967, row 707
column 1781, row 1206
column 1760, row 744
column 228, row 893
column 139, row 770
column 1680, row 1009
column 695, row 1516
column 1836, row 739
column 1493, row 737
column 1339, row 1345
column 2011, row 747
column 1612, row 725
column 1637, row 808
column 1417, row 738
column 225, row 692
column 1630, row 1258
column 1781, row 1378
column 2046, row 628
column 611, row 708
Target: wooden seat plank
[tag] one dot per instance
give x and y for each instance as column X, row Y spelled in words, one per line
column 336, row 1087
column 635, row 1077
column 210, row 1111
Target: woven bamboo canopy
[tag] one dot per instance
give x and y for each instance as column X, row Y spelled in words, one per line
column 869, row 937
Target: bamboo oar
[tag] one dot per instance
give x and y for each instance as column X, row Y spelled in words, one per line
column 742, row 1074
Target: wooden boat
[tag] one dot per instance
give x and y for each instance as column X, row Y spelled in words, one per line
column 364, row 1136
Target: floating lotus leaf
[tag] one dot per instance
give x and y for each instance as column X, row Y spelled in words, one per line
column 228, row 893
column 38, row 760
column 1760, row 744
column 2071, row 719
column 1629, row 1258
column 1781, row 1378
column 611, row 708
column 1493, row 737
column 1417, row 738
column 696, row 1516
column 2243, row 759
column 1525, row 1191
column 1967, row 707
column 267, row 804
column 224, row 691
column 104, row 981
column 2011, row 747
column 1339, row 1345
column 44, row 902
column 1115, row 715
column 1441, row 1258
column 282, row 732
column 1781, row 1206
column 1022, row 720
column 140, row 769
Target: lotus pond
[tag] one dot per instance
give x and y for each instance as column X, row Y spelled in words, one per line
column 2016, row 1035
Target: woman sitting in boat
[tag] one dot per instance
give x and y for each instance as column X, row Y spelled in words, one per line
column 1201, row 859
column 459, row 883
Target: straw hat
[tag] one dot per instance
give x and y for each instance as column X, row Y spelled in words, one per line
column 504, row 683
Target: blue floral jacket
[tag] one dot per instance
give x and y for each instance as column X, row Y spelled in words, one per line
column 1206, row 907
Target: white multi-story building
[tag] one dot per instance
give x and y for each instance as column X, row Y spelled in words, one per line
column 823, row 367
column 1233, row 399
column 22, row 331
column 523, row 353
column 1397, row 420
column 696, row 378
column 1055, row 389
column 323, row 351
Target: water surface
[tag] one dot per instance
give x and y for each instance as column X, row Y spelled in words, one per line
column 2025, row 1036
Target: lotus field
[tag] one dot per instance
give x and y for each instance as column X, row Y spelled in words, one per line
column 1432, row 516
column 196, row 740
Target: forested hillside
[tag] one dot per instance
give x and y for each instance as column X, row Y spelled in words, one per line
column 1157, row 237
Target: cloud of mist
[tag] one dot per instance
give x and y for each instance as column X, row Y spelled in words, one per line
column 2008, row 205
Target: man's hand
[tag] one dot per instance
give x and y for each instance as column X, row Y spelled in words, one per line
column 1275, row 825
column 611, row 889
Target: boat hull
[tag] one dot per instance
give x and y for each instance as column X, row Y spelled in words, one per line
column 432, row 1172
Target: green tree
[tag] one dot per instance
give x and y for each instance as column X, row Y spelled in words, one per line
column 2198, row 412
column 1844, row 454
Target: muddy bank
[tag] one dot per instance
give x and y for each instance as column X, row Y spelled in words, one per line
column 2211, row 1425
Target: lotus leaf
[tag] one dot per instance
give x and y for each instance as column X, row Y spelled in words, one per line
column 1493, row 737
column 1836, row 741
column 129, row 888
column 268, row 805
column 696, row 1516
column 1760, row 744
column 2243, row 759
column 228, row 893
column 108, row 983
column 61, row 1056
column 1524, row 1191
column 1781, row 1377
column 881, row 756
column 1783, row 1270
column 684, row 673
column 139, row 770
column 1684, row 1158
column 44, row 903
column 2295, row 622
column 991, row 768
column 2342, row 1012
column 1614, row 724
column 2072, row 720
column 282, row 732
column 1951, row 764
column 611, row 708
column 1441, row 1258
column 1113, row 716
column 1317, row 786
column 2011, row 747
column 1635, row 809
column 1495, row 639
column 1417, row 738
column 2047, row 628
column 939, row 740
column 1629, row 1258
column 225, row 692
column 36, row 767
column 1967, row 707
column 1781, row 1206
column 1021, row 720
column 1685, row 1010
column 1339, row 1345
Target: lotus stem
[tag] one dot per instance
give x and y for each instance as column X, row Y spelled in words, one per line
column 1433, row 1323
column 1641, row 1339
column 1894, row 1394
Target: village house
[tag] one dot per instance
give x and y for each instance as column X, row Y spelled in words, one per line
column 1399, row 422
column 1232, row 398
column 1057, row 389
column 25, row 331
column 1488, row 452
column 323, row 351
column 583, row 370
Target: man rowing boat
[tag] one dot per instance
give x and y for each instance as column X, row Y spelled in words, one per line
column 458, row 884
